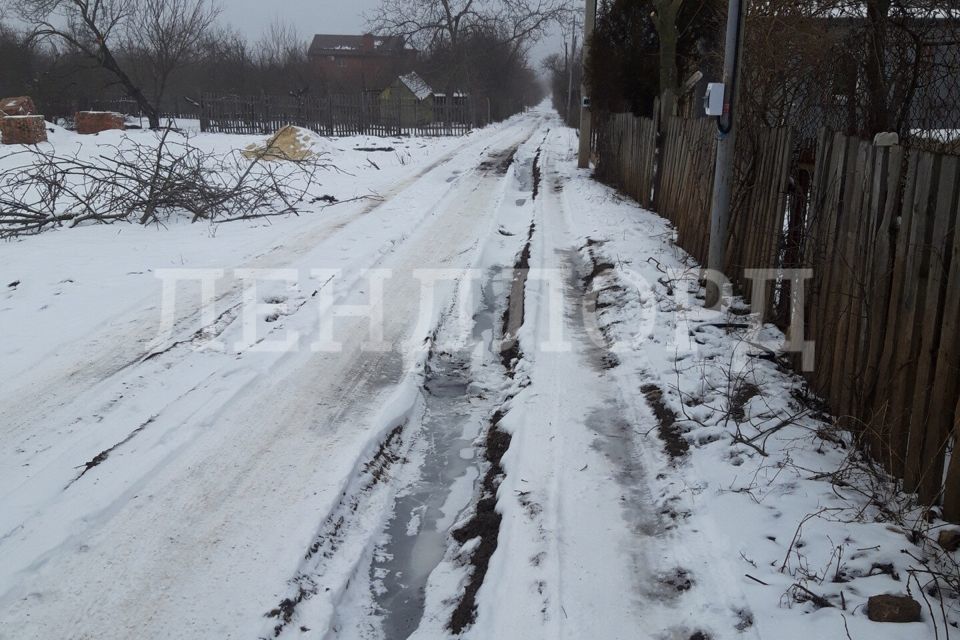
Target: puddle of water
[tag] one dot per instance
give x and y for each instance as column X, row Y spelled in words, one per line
column 419, row 530
column 483, row 321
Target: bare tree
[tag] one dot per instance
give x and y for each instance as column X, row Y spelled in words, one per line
column 281, row 57
column 168, row 31
column 573, row 60
column 448, row 25
column 163, row 36
column 427, row 24
column 281, row 44
column 664, row 16
column 228, row 64
column 859, row 66
column 431, row 23
column 564, row 71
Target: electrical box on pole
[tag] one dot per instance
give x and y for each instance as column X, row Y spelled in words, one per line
column 713, row 99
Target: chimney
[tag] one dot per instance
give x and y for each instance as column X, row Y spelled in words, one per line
column 368, row 42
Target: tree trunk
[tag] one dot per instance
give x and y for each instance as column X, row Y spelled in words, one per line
column 110, row 64
column 878, row 116
column 665, row 22
column 570, row 58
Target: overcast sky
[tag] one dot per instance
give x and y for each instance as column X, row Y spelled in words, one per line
column 321, row 16
column 309, row 16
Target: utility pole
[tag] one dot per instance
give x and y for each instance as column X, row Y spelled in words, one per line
column 567, row 70
column 589, row 21
column 726, row 146
column 570, row 56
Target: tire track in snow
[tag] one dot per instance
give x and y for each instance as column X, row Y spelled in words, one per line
column 484, row 525
column 340, row 524
column 364, row 377
column 129, row 370
column 562, row 570
column 350, row 522
column 679, row 581
column 112, row 365
column 425, row 547
column 98, row 459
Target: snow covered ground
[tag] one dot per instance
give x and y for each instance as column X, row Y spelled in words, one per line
column 528, row 428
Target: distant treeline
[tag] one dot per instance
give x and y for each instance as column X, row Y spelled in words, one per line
column 161, row 55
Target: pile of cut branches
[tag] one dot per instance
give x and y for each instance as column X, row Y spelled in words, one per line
column 150, row 181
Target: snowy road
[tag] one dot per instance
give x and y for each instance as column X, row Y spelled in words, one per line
column 253, row 492
column 220, row 466
column 445, row 413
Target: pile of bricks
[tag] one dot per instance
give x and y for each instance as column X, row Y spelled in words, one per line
column 18, row 122
column 23, row 129
column 19, row 106
column 89, row 122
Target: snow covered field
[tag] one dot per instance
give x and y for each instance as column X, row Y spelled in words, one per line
column 486, row 403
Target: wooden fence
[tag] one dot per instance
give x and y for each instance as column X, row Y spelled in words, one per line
column 686, row 182
column 758, row 212
column 884, row 242
column 628, row 146
column 176, row 109
column 628, row 151
column 338, row 115
column 880, row 229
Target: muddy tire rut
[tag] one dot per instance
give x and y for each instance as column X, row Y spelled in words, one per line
column 309, row 579
column 411, row 472
column 486, row 520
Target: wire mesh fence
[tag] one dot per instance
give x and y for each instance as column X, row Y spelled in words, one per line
column 838, row 65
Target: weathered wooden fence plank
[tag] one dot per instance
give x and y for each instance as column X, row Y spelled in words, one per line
column 909, row 308
column 925, row 446
column 857, row 346
column 827, row 296
column 848, row 312
column 946, row 380
column 627, row 148
column 886, row 187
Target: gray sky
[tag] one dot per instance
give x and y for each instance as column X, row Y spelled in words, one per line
column 308, row 16
column 322, row 16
